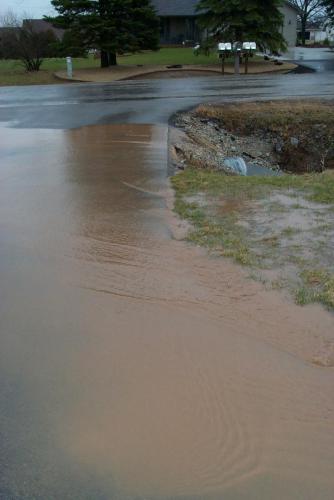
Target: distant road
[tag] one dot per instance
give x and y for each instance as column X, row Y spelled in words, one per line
column 147, row 101
column 319, row 60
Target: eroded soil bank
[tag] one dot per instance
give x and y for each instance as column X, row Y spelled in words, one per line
column 294, row 136
column 281, row 227
column 134, row 365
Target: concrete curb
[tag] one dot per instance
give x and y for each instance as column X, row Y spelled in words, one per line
column 61, row 75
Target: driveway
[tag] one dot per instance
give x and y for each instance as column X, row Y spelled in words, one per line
column 320, row 60
column 132, row 365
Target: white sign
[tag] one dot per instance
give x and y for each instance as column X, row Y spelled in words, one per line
column 224, row 46
column 69, row 67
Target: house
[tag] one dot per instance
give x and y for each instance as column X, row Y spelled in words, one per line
column 179, row 21
column 319, row 32
column 289, row 29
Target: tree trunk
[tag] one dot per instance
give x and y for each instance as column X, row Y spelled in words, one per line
column 246, row 64
column 112, row 59
column 104, row 59
column 303, row 30
column 108, row 59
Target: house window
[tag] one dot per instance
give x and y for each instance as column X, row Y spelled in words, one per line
column 165, row 28
column 190, row 28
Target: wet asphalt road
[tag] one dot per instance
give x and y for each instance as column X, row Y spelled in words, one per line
column 319, row 60
column 102, row 396
column 149, row 101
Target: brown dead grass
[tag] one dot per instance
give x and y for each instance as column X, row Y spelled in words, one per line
column 270, row 115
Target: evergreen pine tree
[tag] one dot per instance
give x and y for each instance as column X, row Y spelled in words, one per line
column 329, row 6
column 259, row 21
column 111, row 26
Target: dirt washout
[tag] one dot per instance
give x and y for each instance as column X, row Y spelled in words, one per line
column 279, row 225
column 296, row 135
column 133, row 365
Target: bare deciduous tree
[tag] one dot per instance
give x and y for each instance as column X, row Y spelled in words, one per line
column 307, row 11
column 9, row 20
column 19, row 40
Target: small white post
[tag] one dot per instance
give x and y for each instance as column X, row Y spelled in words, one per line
column 69, row 67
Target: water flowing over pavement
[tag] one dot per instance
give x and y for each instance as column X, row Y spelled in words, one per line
column 132, row 365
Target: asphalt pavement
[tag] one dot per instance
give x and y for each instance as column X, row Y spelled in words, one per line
column 147, row 101
column 320, row 60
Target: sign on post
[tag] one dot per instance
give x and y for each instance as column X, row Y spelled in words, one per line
column 239, row 49
column 223, row 50
column 69, row 67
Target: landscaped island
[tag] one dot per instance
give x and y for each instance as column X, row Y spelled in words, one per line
column 88, row 68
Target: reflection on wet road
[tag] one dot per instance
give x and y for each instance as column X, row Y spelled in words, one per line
column 149, row 101
column 132, row 365
column 319, row 60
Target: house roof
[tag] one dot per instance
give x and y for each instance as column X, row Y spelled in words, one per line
column 292, row 5
column 180, row 8
column 174, row 8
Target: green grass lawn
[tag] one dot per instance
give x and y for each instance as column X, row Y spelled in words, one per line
column 13, row 73
column 169, row 56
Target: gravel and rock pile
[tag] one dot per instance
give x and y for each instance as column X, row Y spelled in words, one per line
column 207, row 145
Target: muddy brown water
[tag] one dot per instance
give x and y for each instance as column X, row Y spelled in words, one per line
column 134, row 366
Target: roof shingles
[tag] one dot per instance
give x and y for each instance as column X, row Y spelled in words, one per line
column 175, row 8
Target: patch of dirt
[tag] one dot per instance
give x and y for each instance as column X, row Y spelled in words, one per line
column 178, row 73
column 290, row 234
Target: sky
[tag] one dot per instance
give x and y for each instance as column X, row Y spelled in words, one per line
column 34, row 8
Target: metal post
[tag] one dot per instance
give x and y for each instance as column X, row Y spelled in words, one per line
column 223, row 64
column 237, row 63
column 246, row 63
column 69, row 67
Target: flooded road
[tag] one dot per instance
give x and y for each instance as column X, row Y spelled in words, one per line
column 133, row 366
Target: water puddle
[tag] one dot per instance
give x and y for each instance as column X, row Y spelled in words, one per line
column 240, row 167
column 253, row 169
column 133, row 366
